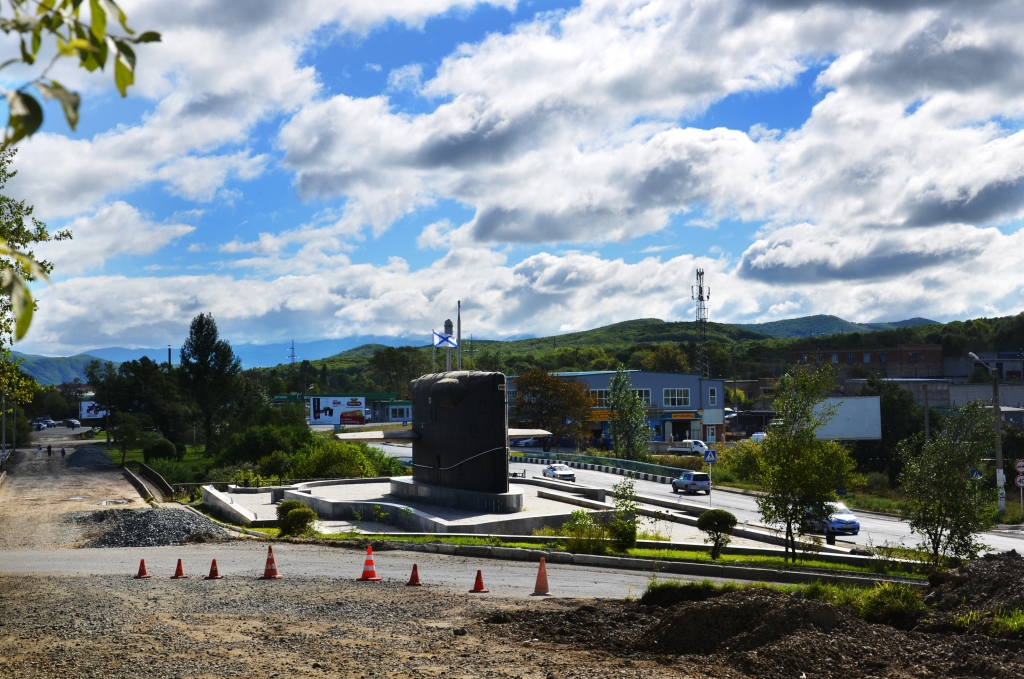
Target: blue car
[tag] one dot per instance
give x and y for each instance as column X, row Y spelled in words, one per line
column 841, row 521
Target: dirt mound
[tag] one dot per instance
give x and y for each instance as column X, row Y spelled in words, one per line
column 988, row 584
column 610, row 625
column 89, row 456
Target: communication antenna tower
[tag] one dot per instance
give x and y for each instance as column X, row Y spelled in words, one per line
column 702, row 293
column 291, row 353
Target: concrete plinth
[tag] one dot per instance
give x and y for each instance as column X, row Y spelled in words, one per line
column 495, row 503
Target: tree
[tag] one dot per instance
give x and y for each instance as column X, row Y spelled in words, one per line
column 944, row 504
column 558, row 405
column 718, row 525
column 799, row 473
column 127, row 429
column 627, row 419
column 208, row 370
column 146, row 388
column 35, row 22
column 901, row 418
column 666, row 358
column 625, row 518
column 395, row 367
column 104, row 378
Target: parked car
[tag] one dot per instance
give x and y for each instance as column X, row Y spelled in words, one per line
column 841, row 520
column 560, row 472
column 525, row 442
column 689, row 447
column 72, row 424
column 692, row 482
column 757, row 436
column 48, row 424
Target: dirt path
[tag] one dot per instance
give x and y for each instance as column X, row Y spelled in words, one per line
column 40, row 490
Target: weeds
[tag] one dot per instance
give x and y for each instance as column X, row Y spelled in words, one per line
column 967, row 620
column 1008, row 624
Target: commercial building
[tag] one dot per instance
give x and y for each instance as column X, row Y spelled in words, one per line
column 904, row 360
column 1008, row 364
column 679, row 405
column 344, row 409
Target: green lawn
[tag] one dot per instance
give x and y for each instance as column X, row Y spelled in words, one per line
column 776, row 562
column 193, row 455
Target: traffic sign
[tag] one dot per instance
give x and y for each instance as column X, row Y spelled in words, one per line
column 710, row 456
column 1020, row 466
column 975, row 474
column 1019, row 481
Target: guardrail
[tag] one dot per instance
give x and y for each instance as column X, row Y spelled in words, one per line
column 618, row 463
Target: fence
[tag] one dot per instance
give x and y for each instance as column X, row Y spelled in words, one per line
column 630, row 465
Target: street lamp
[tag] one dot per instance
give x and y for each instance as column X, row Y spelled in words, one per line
column 1000, row 477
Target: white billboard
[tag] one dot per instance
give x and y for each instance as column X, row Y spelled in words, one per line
column 337, row 410
column 858, row 418
column 90, row 410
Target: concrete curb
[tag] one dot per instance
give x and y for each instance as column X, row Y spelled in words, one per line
column 136, row 482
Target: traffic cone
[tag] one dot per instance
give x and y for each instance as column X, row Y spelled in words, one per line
column 478, row 586
column 214, row 573
column 414, row 579
column 541, row 588
column 369, row 571
column 179, row 572
column 270, row 571
column 143, row 573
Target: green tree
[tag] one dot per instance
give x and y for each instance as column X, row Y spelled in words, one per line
column 625, row 519
column 394, row 367
column 36, row 22
column 146, row 388
column 901, row 418
column 799, row 473
column 105, row 381
column 944, row 505
column 627, row 419
column 208, row 370
column 558, row 405
column 718, row 525
column 666, row 358
column 127, row 430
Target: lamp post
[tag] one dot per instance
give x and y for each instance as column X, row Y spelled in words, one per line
column 1000, row 477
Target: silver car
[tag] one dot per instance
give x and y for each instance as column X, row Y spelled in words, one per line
column 692, row 482
column 560, row 472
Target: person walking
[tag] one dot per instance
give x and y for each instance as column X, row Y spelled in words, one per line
column 63, row 453
column 39, row 450
column 49, row 450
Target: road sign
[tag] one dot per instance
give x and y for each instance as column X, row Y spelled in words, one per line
column 975, row 474
column 710, row 456
column 1020, row 466
column 1019, row 481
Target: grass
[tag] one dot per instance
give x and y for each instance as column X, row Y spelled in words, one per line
column 776, row 562
column 1011, row 623
column 874, row 503
column 194, row 456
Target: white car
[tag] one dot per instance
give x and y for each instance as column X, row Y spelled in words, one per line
column 525, row 442
column 559, row 472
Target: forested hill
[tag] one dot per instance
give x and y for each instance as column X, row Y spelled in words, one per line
column 811, row 326
column 48, row 370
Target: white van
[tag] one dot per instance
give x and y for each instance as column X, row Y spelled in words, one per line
column 689, row 447
column 757, row 436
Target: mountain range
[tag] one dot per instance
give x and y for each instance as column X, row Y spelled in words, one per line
column 48, row 370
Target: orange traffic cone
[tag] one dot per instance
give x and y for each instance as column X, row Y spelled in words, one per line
column 478, row 586
column 369, row 571
column 541, row 588
column 179, row 572
column 270, row 570
column 414, row 579
column 143, row 573
column 214, row 573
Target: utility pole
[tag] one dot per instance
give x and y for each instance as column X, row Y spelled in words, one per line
column 702, row 293
column 997, row 425
column 448, row 349
column 458, row 339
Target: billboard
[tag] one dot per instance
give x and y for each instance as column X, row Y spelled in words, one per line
column 90, row 410
column 337, row 410
column 858, row 418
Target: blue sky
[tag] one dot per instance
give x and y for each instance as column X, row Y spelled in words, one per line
column 555, row 165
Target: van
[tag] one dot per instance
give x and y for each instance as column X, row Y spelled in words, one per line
column 689, row 447
column 757, row 436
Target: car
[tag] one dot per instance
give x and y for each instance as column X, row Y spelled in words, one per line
column 692, row 482
column 560, row 472
column 757, row 436
column 689, row 447
column 525, row 442
column 72, row 424
column 49, row 423
column 841, row 520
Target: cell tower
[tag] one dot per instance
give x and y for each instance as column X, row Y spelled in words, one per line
column 291, row 353
column 702, row 293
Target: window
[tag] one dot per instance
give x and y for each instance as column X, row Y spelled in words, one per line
column 645, row 395
column 511, row 394
column 803, row 359
column 600, row 397
column 835, row 358
column 818, row 359
column 712, row 396
column 867, row 358
column 849, row 359
column 883, row 357
column 677, row 398
column 913, row 357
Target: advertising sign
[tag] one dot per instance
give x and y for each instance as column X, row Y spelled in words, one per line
column 337, row 410
column 90, row 410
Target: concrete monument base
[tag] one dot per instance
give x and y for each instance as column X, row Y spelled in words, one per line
column 495, row 503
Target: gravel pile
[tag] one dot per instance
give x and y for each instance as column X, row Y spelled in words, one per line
column 89, row 456
column 149, row 527
column 993, row 582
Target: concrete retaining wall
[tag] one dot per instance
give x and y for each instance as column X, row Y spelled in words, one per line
column 277, row 492
column 137, row 482
column 161, row 484
column 643, row 476
column 590, row 492
column 220, row 503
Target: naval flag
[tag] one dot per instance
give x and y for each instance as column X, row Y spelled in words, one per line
column 442, row 340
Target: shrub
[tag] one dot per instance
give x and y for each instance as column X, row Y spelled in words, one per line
column 585, row 536
column 276, row 464
column 623, row 534
column 286, row 506
column 255, row 443
column 173, row 472
column 894, row 603
column 740, row 461
column 159, row 449
column 877, row 483
column 718, row 525
column 298, row 521
column 330, row 458
column 694, row 462
column 179, row 451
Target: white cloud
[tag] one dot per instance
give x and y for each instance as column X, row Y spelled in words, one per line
column 115, row 229
column 407, row 77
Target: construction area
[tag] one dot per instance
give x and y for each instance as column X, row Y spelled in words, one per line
column 72, row 606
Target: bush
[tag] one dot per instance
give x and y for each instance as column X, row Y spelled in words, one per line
column 718, row 525
column 286, row 506
column 694, row 462
column 894, row 603
column 255, row 443
column 329, row 458
column 159, row 449
column 276, row 464
column 180, row 450
column 877, row 483
column 298, row 521
column 623, row 534
column 740, row 461
column 585, row 536
column 173, row 471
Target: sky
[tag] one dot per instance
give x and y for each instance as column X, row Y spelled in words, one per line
column 313, row 170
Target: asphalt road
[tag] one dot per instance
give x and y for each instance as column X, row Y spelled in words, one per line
column 875, row 528
column 246, row 559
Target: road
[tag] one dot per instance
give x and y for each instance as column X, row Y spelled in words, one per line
column 876, row 529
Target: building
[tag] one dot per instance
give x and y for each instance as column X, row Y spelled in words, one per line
column 939, row 390
column 904, row 360
column 679, row 405
column 400, row 411
column 1008, row 364
column 375, row 406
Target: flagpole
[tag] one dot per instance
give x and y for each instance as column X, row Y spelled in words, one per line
column 459, row 333
column 434, row 342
